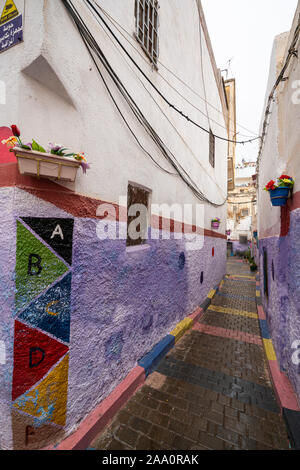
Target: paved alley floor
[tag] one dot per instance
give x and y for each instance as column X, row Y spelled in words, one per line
column 213, row 390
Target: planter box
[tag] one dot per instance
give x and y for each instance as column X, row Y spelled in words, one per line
column 215, row 224
column 46, row 165
column 279, row 196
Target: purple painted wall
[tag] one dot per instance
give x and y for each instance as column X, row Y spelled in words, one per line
column 282, row 306
column 122, row 304
column 237, row 246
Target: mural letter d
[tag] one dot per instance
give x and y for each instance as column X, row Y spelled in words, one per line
column 35, row 363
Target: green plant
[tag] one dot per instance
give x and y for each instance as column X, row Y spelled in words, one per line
column 284, row 181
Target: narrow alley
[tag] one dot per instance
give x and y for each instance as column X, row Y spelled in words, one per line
column 213, row 390
column 149, row 226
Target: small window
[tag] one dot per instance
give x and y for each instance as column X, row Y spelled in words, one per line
column 245, row 212
column 211, row 148
column 137, row 215
column 243, row 239
column 146, row 25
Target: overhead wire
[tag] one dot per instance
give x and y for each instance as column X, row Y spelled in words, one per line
column 91, row 43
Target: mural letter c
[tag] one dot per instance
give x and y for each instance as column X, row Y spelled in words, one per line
column 50, row 305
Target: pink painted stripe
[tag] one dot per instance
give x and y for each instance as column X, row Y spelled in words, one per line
column 222, row 332
column 198, row 313
column 261, row 313
column 283, row 388
column 239, row 278
column 102, row 415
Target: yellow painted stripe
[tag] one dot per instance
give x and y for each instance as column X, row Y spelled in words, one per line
column 232, row 311
column 271, row 355
column 211, row 294
column 181, row 328
column 243, row 277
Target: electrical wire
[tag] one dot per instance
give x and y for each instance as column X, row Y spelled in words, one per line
column 271, row 99
column 115, row 22
column 158, row 91
column 92, row 44
column 161, row 110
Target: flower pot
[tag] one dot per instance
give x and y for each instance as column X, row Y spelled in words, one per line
column 228, row 232
column 46, row 165
column 279, row 196
column 215, row 224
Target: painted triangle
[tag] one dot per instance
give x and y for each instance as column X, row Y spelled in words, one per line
column 36, row 267
column 9, row 11
column 47, row 402
column 51, row 311
column 58, row 233
column 34, row 354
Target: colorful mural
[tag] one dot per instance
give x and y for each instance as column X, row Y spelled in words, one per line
column 121, row 304
column 42, row 323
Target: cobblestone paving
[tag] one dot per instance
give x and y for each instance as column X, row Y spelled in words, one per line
column 210, row 391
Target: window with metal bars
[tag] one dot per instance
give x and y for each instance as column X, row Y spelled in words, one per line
column 211, row 148
column 146, row 24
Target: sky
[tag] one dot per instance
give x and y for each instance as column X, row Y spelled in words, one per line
column 243, row 31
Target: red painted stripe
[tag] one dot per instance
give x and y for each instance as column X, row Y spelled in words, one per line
column 161, row 223
column 283, row 388
column 196, row 316
column 84, row 206
column 103, row 414
column 261, row 313
column 225, row 333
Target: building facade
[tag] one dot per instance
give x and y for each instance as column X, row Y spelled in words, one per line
column 80, row 302
column 242, row 209
column 278, row 227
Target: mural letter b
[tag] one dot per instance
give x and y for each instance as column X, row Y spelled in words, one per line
column 34, row 261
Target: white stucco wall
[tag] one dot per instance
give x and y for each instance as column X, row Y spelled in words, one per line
column 70, row 105
column 281, row 147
